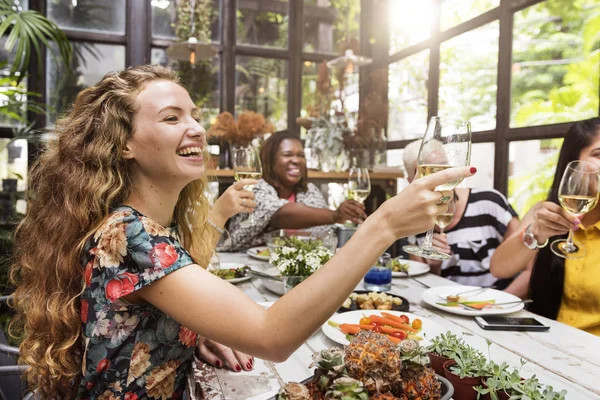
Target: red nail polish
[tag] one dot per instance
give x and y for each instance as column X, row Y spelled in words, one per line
column 219, row 365
column 249, row 365
column 238, row 368
column 473, row 170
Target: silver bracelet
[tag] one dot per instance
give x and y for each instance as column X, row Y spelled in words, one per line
column 215, row 227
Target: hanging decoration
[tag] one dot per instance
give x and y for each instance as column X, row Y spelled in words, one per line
column 197, row 46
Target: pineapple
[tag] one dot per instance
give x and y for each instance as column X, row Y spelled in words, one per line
column 346, row 388
column 330, row 364
column 293, row 391
column 419, row 381
column 374, row 360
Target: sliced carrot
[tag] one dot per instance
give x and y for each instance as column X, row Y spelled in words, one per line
column 388, row 330
column 353, row 329
column 394, row 339
column 391, row 322
column 392, row 317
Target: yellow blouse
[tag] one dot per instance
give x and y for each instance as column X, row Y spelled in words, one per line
column 580, row 306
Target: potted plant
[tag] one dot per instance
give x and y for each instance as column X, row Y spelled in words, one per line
column 443, row 348
column 297, row 259
column 465, row 372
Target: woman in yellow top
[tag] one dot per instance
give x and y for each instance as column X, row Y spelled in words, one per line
column 565, row 290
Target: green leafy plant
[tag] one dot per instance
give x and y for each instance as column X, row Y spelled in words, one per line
column 28, row 30
column 470, row 363
column 446, row 345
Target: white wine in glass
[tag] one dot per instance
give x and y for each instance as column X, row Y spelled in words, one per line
column 444, row 219
column 246, row 165
column 446, row 144
column 359, row 184
column 578, row 194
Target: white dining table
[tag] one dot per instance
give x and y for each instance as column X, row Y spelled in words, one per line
column 564, row 357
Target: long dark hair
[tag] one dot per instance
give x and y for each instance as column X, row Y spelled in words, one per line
column 268, row 156
column 548, row 275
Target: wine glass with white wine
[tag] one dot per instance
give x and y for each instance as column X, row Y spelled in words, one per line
column 359, row 184
column 246, row 165
column 444, row 219
column 446, row 144
column 578, row 194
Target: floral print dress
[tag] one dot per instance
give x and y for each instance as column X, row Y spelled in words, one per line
column 132, row 351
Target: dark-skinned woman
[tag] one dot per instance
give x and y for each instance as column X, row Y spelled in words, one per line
column 284, row 198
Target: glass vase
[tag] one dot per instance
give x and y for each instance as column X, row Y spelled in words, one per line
column 290, row 282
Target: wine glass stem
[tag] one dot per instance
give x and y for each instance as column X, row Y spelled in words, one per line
column 569, row 246
column 427, row 244
column 442, row 231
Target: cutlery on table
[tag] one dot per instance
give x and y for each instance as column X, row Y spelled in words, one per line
column 259, row 274
column 492, row 305
column 452, row 298
column 416, row 280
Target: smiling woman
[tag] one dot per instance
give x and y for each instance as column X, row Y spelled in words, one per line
column 111, row 295
column 285, row 200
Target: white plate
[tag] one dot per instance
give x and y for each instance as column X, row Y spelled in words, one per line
column 229, row 265
column 253, row 252
column 430, row 328
column 414, row 268
column 430, row 296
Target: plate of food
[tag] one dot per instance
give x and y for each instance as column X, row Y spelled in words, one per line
column 400, row 267
column 365, row 300
column 232, row 272
column 396, row 325
column 259, row 252
column 472, row 300
column 370, row 367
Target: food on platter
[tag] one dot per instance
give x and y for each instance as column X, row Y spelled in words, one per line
column 396, row 328
column 398, row 266
column 372, row 301
column 370, row 367
column 231, row 273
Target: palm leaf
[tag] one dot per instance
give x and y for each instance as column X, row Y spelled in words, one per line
column 29, row 29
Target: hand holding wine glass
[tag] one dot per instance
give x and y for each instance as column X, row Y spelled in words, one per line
column 246, row 165
column 446, row 144
column 577, row 194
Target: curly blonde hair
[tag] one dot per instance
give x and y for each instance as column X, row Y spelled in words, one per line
column 73, row 187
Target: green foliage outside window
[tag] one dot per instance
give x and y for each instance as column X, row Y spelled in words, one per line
column 556, row 67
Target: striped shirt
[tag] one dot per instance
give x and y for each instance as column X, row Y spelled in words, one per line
column 475, row 238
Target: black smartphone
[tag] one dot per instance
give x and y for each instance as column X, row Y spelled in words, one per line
column 496, row 323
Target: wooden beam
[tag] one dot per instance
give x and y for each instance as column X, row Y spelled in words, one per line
column 295, row 44
column 96, row 37
column 137, row 32
column 228, row 25
column 503, row 97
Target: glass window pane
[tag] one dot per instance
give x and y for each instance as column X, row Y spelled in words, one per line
column 407, row 97
column 331, row 25
column 90, row 63
column 262, row 86
column 468, row 77
column 263, row 23
column 482, row 157
column 165, row 20
column 201, row 80
column 456, row 12
column 531, row 171
column 556, row 64
column 89, row 15
column 410, row 22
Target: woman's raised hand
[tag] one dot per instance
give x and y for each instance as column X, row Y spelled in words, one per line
column 414, row 209
column 550, row 219
column 235, row 200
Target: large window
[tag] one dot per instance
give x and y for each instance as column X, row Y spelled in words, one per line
column 90, row 63
column 89, row 15
column 555, row 64
column 407, row 95
column 517, row 70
